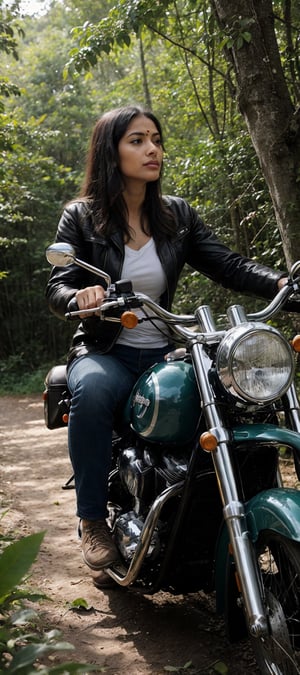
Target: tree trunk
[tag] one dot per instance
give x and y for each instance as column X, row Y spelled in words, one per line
column 148, row 101
column 265, row 102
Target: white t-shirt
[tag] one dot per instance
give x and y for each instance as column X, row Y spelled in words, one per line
column 145, row 271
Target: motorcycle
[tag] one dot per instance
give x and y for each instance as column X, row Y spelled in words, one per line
column 196, row 497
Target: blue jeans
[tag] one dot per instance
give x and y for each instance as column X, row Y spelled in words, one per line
column 99, row 384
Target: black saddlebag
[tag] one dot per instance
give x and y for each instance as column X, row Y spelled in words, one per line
column 56, row 398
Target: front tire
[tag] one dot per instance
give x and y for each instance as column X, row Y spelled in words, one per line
column 278, row 560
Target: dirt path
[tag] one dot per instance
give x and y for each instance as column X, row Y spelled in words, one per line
column 123, row 631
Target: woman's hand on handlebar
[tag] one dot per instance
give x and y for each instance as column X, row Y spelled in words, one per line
column 282, row 282
column 91, row 296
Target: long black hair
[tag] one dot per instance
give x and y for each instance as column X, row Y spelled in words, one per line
column 103, row 186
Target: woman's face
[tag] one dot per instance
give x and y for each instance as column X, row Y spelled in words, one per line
column 140, row 151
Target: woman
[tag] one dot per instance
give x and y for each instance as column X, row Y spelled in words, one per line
column 122, row 224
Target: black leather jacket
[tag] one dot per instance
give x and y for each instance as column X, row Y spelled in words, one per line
column 194, row 243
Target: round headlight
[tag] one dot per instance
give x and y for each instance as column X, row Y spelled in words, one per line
column 255, row 363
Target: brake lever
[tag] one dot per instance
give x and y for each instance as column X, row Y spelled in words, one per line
column 125, row 301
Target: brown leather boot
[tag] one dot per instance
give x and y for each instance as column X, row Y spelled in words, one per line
column 98, row 547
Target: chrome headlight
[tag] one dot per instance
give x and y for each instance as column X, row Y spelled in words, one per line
column 255, row 363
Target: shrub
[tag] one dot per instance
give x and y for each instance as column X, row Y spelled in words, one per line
column 22, row 644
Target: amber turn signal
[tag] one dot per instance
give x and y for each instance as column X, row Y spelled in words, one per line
column 208, row 441
column 296, row 343
column 65, row 418
column 129, row 320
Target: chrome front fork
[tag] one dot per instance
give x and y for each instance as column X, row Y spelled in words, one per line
column 293, row 407
column 233, row 508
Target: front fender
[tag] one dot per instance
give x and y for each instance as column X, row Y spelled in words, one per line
column 267, row 433
column 276, row 510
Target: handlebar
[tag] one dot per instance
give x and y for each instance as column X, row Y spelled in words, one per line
column 291, row 288
column 179, row 322
column 120, row 296
column 274, row 306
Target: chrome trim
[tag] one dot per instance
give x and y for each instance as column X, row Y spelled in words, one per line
column 153, row 422
column 126, row 577
column 234, row 512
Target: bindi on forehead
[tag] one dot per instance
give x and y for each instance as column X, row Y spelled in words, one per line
column 146, row 132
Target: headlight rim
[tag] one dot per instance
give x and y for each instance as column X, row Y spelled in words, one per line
column 233, row 338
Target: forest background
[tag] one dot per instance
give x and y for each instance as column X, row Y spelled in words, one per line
column 222, row 76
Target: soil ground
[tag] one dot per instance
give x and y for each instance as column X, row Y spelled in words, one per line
column 121, row 630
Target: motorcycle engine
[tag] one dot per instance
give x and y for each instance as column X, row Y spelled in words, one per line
column 164, row 413
column 145, row 472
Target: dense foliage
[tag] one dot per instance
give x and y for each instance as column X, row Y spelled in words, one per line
column 60, row 69
column 24, row 646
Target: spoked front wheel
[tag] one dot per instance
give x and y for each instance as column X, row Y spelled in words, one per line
column 279, row 568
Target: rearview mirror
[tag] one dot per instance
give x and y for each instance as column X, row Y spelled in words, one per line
column 60, row 254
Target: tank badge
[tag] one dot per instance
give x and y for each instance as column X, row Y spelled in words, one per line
column 140, row 400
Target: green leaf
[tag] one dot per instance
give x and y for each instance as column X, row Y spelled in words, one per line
column 79, row 603
column 221, row 668
column 52, row 634
column 16, row 560
column 29, row 654
column 23, row 617
column 247, row 36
